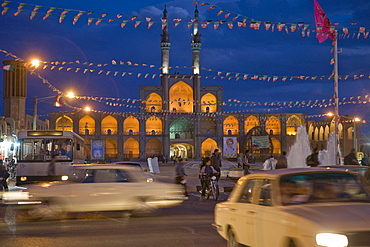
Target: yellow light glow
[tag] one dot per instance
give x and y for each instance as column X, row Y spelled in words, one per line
column 357, row 119
column 35, row 63
column 71, row 95
column 87, row 108
column 330, row 114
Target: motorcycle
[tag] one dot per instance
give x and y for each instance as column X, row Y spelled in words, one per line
column 212, row 188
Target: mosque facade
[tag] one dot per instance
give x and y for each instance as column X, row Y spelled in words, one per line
column 182, row 117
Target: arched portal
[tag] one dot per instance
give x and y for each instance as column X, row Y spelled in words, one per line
column 208, row 103
column 109, row 126
column 250, row 123
column 64, row 123
column 231, row 126
column 181, row 97
column 181, row 128
column 131, row 126
column 131, row 149
column 183, row 150
column 208, row 146
column 258, row 143
column 153, row 126
column 292, row 125
column 153, row 103
column 111, row 151
column 273, row 125
column 86, row 126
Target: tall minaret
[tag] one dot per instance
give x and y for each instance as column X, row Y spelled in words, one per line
column 195, row 44
column 165, row 43
column 195, row 47
column 165, row 48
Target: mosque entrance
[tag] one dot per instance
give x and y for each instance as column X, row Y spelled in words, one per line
column 183, row 150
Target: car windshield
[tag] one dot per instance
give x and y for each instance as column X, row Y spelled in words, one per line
column 104, row 176
column 321, row 187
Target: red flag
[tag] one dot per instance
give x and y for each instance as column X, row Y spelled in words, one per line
column 322, row 23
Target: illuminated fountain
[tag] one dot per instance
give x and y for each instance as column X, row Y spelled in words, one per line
column 300, row 150
column 327, row 157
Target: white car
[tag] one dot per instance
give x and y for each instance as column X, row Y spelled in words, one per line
column 98, row 188
column 303, row 207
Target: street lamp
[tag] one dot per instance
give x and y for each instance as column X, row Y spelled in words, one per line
column 35, row 102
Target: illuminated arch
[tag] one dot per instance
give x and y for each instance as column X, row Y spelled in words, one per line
column 131, row 149
column 276, row 146
column 109, row 126
column 273, row 125
column 321, row 133
column 181, row 97
column 64, row 123
column 250, row 123
column 111, row 151
column 292, row 125
column 327, row 132
column 340, row 129
column 153, row 103
column 208, row 146
column 181, row 128
column 310, row 132
column 350, row 133
column 153, row 126
column 208, row 103
column 131, row 126
column 231, row 126
column 86, row 126
column 316, row 134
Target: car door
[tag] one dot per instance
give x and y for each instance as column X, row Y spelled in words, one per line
column 243, row 213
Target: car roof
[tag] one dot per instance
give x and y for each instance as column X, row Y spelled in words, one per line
column 344, row 166
column 103, row 166
column 290, row 171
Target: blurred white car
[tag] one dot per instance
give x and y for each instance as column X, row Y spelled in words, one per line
column 296, row 207
column 98, row 188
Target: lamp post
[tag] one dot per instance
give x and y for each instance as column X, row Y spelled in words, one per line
column 35, row 102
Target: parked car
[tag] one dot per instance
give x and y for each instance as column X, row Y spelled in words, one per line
column 98, row 188
column 305, row 207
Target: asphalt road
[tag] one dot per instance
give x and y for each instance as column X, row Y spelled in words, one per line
column 181, row 226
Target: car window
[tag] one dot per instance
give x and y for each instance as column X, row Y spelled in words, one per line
column 265, row 194
column 248, row 192
column 321, row 187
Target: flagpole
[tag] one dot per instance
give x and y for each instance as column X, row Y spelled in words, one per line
column 336, row 100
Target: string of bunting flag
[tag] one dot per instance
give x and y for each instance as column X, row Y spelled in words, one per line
column 47, row 11
column 282, row 25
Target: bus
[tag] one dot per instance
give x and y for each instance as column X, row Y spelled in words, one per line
column 41, row 149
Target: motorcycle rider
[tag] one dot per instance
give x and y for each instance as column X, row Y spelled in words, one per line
column 206, row 173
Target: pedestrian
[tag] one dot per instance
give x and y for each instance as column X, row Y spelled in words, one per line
column 206, row 172
column 246, row 165
column 3, row 177
column 216, row 162
column 351, row 159
column 181, row 175
column 240, row 160
column 282, row 161
column 313, row 159
column 269, row 164
column 51, row 167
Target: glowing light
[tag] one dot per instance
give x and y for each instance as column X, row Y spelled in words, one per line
column 70, row 95
column 87, row 108
column 35, row 63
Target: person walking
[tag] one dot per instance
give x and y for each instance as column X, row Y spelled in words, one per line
column 282, row 161
column 269, row 164
column 181, row 175
column 246, row 165
column 216, row 162
column 3, row 177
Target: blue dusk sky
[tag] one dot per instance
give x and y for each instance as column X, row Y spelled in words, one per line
column 290, row 67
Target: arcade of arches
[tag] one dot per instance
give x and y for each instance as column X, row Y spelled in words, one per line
column 182, row 130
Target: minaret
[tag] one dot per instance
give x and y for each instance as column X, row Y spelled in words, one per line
column 165, row 48
column 195, row 47
column 165, row 43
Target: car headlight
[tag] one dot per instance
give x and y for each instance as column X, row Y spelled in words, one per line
column 150, row 180
column 331, row 240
